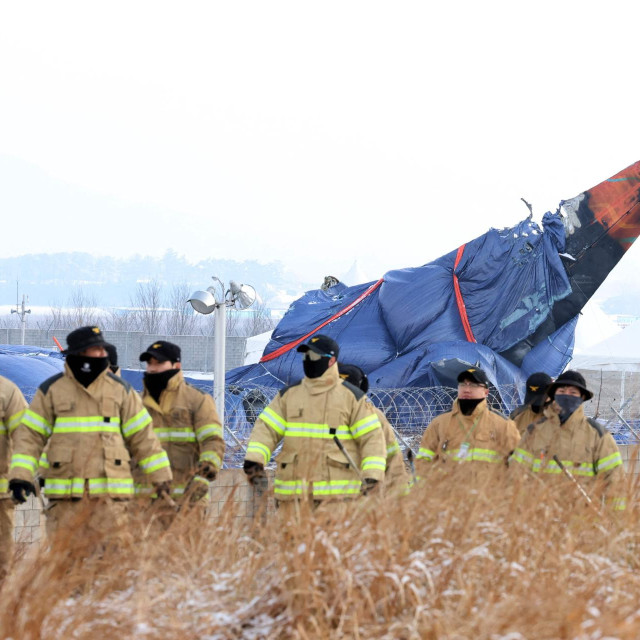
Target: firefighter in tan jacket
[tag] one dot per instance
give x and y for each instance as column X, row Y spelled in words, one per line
column 12, row 406
column 93, row 422
column 396, row 478
column 470, row 432
column 305, row 417
column 186, row 422
column 583, row 446
column 535, row 400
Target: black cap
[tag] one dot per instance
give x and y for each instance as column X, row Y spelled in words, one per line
column 162, row 351
column 355, row 375
column 537, row 384
column 83, row 338
column 475, row 374
column 324, row 345
column 112, row 352
column 570, row 379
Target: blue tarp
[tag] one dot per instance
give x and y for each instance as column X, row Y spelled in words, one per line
column 28, row 367
column 405, row 332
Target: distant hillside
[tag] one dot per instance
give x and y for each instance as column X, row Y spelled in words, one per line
column 50, row 279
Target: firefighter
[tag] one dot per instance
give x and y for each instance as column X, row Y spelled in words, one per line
column 396, row 477
column 12, row 406
column 471, row 432
column 305, row 416
column 186, row 422
column 112, row 354
column 535, row 400
column 93, row 422
column 583, row 446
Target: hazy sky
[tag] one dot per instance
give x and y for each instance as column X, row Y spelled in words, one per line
column 312, row 133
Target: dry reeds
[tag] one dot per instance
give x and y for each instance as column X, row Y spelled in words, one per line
column 462, row 556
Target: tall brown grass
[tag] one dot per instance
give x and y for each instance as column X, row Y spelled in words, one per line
column 462, row 556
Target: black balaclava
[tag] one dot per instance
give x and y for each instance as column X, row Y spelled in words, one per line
column 85, row 369
column 568, row 404
column 468, row 405
column 156, row 383
column 315, row 368
column 538, row 405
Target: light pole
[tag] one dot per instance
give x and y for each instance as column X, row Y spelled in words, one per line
column 21, row 311
column 216, row 299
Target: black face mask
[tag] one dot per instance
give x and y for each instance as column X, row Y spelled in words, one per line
column 85, row 370
column 156, row 383
column 467, row 406
column 568, row 404
column 315, row 368
column 538, row 406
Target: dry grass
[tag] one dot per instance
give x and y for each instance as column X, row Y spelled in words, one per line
column 500, row 560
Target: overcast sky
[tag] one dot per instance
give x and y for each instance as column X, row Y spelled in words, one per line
column 311, row 133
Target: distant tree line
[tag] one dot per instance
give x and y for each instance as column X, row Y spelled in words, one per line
column 153, row 309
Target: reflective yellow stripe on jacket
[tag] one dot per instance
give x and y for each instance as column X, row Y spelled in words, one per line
column 74, row 487
column 537, row 465
column 87, row 424
column 37, row 423
column 316, row 430
column 320, row 488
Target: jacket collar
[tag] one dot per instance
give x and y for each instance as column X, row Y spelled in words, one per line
column 326, row 381
column 165, row 403
column 479, row 410
column 94, row 385
column 574, row 419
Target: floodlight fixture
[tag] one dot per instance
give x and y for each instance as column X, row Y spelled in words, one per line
column 204, row 301
column 217, row 299
column 242, row 295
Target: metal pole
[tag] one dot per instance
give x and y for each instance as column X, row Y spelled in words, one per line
column 23, row 318
column 219, row 358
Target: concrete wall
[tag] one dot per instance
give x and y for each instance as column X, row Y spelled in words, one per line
column 197, row 351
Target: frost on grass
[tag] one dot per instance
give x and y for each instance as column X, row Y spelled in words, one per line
column 504, row 562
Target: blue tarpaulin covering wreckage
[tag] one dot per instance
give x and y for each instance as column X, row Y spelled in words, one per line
column 406, row 329
column 507, row 301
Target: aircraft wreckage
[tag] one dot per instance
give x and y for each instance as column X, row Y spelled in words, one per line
column 507, row 301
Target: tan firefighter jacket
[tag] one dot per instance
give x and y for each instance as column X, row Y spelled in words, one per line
column 484, row 436
column 585, row 448
column 12, row 406
column 187, row 424
column 524, row 416
column 395, row 475
column 91, row 435
column 303, row 416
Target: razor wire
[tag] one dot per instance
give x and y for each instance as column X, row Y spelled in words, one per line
column 409, row 410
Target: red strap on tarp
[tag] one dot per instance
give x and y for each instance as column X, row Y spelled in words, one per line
column 287, row 347
column 462, row 309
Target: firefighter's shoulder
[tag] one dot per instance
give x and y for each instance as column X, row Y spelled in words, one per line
column 46, row 385
column 358, row 393
column 114, row 378
column 288, row 387
column 517, row 411
column 597, row 426
column 196, row 391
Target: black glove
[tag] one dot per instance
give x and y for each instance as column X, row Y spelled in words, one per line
column 20, row 490
column 253, row 469
column 163, row 489
column 255, row 473
column 207, row 471
column 368, row 485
